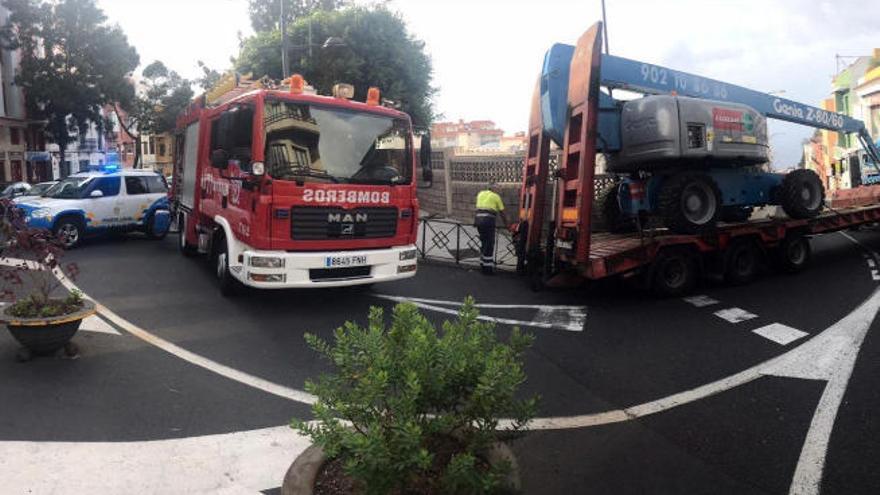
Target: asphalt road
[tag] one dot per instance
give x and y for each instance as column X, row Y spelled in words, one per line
column 605, row 348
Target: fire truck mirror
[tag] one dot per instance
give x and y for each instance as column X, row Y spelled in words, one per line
column 220, row 159
column 425, row 158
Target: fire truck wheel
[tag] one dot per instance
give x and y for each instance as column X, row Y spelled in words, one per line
column 674, row 273
column 69, row 230
column 228, row 284
column 794, row 253
column 185, row 248
column 152, row 232
column 741, row 262
column 689, row 203
column 801, row 194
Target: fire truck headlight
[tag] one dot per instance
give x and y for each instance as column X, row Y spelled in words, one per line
column 258, row 168
column 267, row 262
column 409, row 254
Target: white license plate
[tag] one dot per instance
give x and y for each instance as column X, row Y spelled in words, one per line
column 344, row 261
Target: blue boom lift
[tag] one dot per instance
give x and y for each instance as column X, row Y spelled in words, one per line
column 691, row 150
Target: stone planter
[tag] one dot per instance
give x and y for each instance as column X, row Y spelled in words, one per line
column 42, row 336
column 301, row 476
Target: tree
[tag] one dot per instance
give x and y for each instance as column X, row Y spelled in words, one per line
column 209, row 77
column 378, row 51
column 73, row 63
column 163, row 97
column 266, row 14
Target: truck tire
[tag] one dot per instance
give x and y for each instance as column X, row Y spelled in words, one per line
column 736, row 214
column 674, row 273
column 152, row 232
column 608, row 207
column 229, row 285
column 689, row 203
column 186, row 248
column 794, row 253
column 741, row 262
column 801, row 194
column 69, row 230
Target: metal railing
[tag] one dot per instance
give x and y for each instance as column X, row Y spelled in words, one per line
column 454, row 242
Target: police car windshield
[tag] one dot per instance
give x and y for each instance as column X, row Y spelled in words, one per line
column 69, row 188
column 310, row 143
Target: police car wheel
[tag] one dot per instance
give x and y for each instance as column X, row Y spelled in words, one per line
column 152, row 232
column 69, row 231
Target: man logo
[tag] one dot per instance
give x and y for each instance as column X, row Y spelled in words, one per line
column 347, row 218
column 347, row 229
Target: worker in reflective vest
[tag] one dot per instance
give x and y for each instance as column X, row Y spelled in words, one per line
column 489, row 205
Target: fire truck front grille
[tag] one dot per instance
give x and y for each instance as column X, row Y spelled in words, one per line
column 318, row 223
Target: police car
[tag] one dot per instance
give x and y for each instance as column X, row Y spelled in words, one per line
column 100, row 201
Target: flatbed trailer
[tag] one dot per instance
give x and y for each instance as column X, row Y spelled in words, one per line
column 558, row 243
column 621, row 254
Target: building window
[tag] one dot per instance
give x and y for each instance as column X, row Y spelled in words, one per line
column 162, row 148
column 14, row 135
column 152, row 145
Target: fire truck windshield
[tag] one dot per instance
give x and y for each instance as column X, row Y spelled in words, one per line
column 312, row 143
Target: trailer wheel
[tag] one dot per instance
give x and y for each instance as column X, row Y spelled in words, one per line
column 186, row 248
column 794, row 253
column 674, row 273
column 741, row 262
column 689, row 203
column 801, row 194
column 608, row 206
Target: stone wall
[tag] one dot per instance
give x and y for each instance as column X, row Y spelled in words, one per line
column 458, row 179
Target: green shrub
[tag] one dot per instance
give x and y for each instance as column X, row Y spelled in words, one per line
column 409, row 409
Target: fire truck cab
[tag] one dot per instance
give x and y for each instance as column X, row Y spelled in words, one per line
column 281, row 187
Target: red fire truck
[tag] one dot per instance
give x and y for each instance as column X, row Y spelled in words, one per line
column 281, row 187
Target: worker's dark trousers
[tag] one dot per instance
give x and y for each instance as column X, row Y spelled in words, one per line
column 486, row 228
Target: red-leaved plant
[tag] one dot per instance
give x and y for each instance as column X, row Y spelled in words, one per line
column 32, row 264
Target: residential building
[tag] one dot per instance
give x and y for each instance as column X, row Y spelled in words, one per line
column 838, row 157
column 156, row 152
column 13, row 118
column 466, row 136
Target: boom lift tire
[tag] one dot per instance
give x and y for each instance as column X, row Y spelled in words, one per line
column 186, row 248
column 794, row 253
column 608, row 206
column 689, row 203
column 801, row 194
column 674, row 273
column 741, row 262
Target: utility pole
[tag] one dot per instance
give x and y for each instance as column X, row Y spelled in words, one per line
column 285, row 68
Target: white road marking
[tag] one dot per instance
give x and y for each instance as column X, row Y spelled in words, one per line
column 95, row 324
column 232, row 463
column 700, row 301
column 871, row 263
column 735, row 315
column 779, row 333
column 829, row 355
column 569, row 318
column 875, row 275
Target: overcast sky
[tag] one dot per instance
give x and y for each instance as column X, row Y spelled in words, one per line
column 487, row 53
